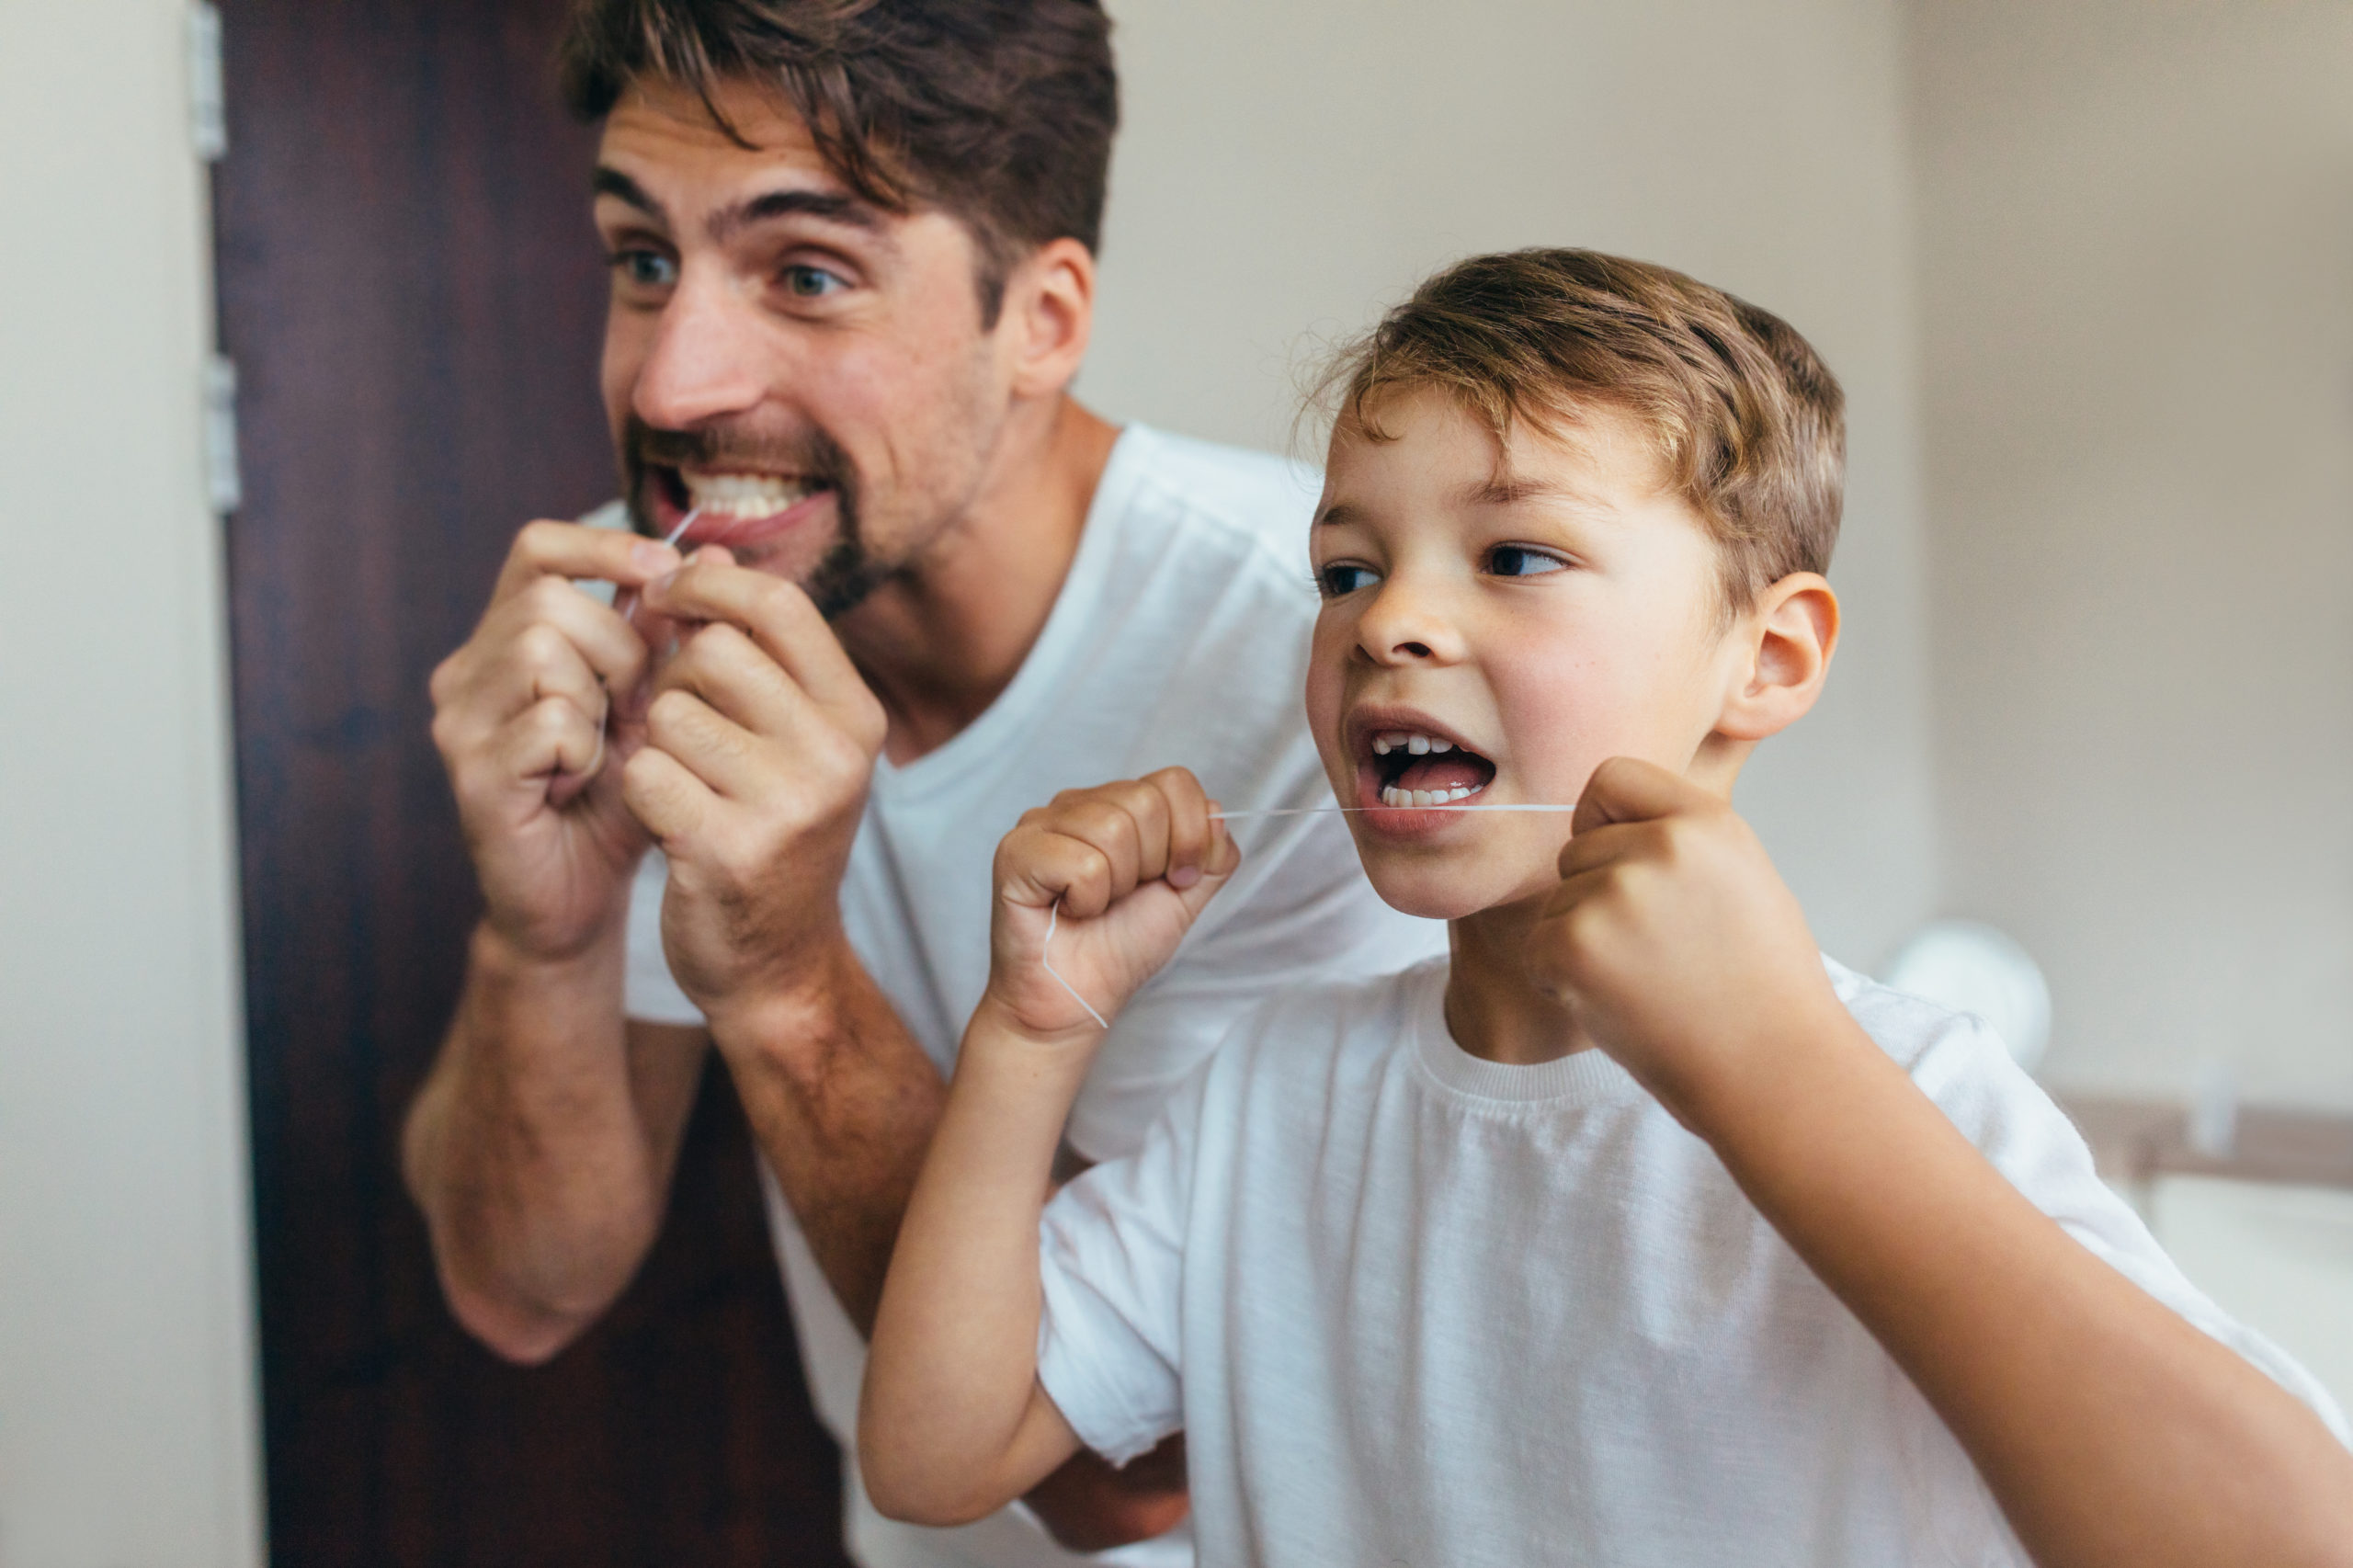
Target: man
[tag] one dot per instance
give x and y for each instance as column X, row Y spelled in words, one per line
column 918, row 589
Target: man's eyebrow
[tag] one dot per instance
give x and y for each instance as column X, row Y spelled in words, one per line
column 610, row 181
column 832, row 207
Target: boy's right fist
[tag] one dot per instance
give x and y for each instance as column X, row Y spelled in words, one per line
column 1132, row 865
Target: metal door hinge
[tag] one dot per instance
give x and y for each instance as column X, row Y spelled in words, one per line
column 206, row 99
column 223, row 482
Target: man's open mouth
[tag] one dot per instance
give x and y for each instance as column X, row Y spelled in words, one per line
column 1414, row 767
column 744, row 497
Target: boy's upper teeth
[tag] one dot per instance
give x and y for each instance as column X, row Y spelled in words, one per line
column 1393, row 796
column 745, row 495
column 1417, row 745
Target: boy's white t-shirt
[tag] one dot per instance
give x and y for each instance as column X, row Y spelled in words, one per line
column 1410, row 1306
column 1179, row 636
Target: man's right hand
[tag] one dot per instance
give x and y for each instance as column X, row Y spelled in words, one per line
column 520, row 717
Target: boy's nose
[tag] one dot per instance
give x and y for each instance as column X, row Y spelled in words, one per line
column 704, row 362
column 1404, row 627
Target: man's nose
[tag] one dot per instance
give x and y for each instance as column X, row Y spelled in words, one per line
column 1407, row 623
column 704, row 362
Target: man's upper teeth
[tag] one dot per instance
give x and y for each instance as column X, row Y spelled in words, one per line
column 1417, row 745
column 745, row 495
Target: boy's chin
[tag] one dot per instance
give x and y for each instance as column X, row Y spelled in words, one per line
column 1440, row 893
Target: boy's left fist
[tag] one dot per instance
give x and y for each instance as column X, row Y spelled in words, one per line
column 1675, row 944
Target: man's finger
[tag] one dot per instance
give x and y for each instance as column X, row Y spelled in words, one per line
column 727, row 757
column 666, row 797
column 722, row 664
column 551, row 736
column 777, row 615
column 1626, row 789
column 549, row 548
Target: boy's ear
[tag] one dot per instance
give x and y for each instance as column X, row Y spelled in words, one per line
column 1048, row 314
column 1789, row 634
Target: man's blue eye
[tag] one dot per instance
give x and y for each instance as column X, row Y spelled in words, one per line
column 1519, row 561
column 647, row 268
column 1344, row 579
column 809, row 282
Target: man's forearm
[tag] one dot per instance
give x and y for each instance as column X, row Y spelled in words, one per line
column 527, row 1150
column 843, row 1102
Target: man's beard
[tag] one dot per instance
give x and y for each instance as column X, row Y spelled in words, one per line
column 844, row 575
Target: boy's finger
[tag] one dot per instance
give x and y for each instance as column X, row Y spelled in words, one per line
column 549, row 548
column 1594, row 847
column 1626, row 789
column 1109, row 819
column 1189, row 824
column 1039, row 867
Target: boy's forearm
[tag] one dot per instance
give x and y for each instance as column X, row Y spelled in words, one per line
column 2111, row 1430
column 952, row 1424
column 525, row 1150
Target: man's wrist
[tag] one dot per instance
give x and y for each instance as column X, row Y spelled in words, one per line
column 496, row 959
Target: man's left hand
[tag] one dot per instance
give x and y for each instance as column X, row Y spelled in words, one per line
column 760, row 744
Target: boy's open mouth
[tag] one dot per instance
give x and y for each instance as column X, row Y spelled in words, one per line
column 1417, row 768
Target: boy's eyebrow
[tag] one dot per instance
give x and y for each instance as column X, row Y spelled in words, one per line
column 1339, row 513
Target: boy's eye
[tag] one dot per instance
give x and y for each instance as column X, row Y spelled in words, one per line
column 1344, row 578
column 1521, row 560
column 645, row 268
column 810, row 282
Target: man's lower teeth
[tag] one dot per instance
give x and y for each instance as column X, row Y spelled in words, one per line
column 1392, row 795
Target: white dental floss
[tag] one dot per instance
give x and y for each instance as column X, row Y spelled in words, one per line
column 628, row 614
column 1053, row 915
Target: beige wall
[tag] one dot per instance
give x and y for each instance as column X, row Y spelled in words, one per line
column 1288, row 170
column 2137, row 284
column 127, row 1426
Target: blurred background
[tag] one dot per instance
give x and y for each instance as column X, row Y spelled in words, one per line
column 286, row 366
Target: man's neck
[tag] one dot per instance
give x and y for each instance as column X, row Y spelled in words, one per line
column 941, row 641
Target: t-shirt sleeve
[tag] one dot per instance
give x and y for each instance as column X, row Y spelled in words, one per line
column 650, row 994
column 1967, row 1071
column 1112, row 1248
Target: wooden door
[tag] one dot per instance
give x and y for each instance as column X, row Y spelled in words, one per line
column 413, row 296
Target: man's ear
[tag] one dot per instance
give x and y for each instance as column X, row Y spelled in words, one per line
column 1048, row 314
column 1789, row 636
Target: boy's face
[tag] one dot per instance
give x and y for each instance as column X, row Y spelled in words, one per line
column 1521, row 616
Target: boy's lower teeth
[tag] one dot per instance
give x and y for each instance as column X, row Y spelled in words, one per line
column 1393, row 796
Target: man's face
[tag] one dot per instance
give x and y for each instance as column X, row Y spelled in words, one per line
column 806, row 370
column 1495, row 625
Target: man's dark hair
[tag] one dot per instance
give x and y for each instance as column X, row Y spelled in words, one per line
column 997, row 112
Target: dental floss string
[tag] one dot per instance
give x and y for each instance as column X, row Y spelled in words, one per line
column 1054, row 915
column 629, row 614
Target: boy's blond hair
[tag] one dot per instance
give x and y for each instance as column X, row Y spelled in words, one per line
column 1749, row 424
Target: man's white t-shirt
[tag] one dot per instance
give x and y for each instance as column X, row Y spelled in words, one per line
column 1410, row 1306
column 1179, row 636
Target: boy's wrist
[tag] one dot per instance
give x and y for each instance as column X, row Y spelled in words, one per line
column 997, row 1025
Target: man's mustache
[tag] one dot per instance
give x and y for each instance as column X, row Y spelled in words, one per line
column 810, row 454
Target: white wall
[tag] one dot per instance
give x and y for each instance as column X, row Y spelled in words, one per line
column 2137, row 282
column 1288, row 170
column 127, row 1412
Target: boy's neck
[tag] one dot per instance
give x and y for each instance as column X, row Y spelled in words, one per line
column 1493, row 1010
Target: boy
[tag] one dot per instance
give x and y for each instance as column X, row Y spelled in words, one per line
column 1636, row 1231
